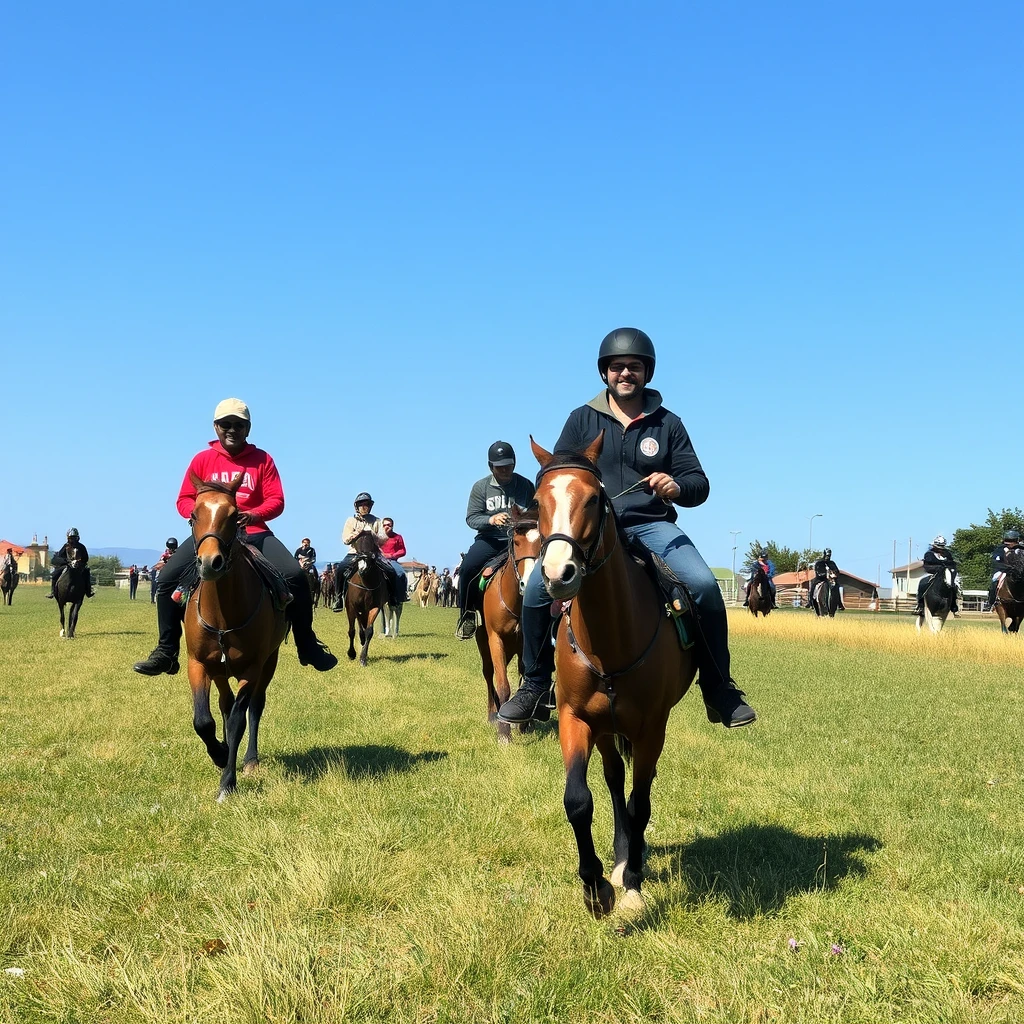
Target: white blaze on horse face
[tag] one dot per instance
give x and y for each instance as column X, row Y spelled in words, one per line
column 559, row 553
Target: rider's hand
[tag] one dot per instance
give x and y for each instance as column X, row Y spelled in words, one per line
column 500, row 519
column 244, row 519
column 663, row 486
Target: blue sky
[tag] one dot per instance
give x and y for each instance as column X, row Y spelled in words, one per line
column 399, row 232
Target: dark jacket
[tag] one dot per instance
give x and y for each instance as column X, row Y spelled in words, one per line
column 655, row 442
column 936, row 561
column 999, row 558
column 60, row 558
column 822, row 564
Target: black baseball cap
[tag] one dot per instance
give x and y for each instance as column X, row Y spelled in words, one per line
column 501, row 454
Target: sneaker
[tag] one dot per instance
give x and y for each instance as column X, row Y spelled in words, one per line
column 731, row 710
column 466, row 629
column 49, row 597
column 527, row 704
column 316, row 653
column 157, row 663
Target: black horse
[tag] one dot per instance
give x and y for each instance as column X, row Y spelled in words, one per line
column 71, row 590
column 1009, row 604
column 313, row 579
column 759, row 593
column 937, row 596
column 8, row 581
column 825, row 596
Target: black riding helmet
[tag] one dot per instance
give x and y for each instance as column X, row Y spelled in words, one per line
column 827, row 553
column 1011, row 535
column 73, row 533
column 626, row 341
column 172, row 544
column 362, row 498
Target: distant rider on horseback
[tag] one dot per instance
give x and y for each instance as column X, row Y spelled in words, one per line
column 648, row 465
column 768, row 566
column 62, row 560
column 490, row 499
column 305, row 554
column 821, row 569
column 363, row 521
column 935, row 560
column 1011, row 538
column 259, row 498
column 392, row 550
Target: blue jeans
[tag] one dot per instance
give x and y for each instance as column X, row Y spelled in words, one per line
column 403, row 583
column 668, row 541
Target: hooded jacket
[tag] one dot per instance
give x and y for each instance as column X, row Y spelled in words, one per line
column 655, row 442
column 260, row 494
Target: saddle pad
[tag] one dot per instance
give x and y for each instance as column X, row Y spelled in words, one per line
column 272, row 578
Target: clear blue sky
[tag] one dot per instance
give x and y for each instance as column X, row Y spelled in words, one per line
column 400, row 231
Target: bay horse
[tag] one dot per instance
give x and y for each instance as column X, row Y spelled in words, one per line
column 366, row 596
column 937, row 600
column 1009, row 604
column 620, row 667
column 8, row 583
column 825, row 596
column 499, row 637
column 327, row 586
column 70, row 590
column 759, row 593
column 313, row 579
column 233, row 627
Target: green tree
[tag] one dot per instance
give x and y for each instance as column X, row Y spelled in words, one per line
column 973, row 546
column 784, row 559
column 103, row 568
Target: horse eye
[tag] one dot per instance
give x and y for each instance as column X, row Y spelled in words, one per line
column 591, row 501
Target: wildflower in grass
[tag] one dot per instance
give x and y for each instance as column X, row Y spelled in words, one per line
column 837, row 949
column 794, row 946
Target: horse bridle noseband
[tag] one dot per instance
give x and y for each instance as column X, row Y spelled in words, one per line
column 587, row 566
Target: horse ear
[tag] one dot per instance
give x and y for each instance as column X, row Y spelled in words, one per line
column 543, row 455
column 515, row 513
column 194, row 480
column 593, row 449
column 236, row 483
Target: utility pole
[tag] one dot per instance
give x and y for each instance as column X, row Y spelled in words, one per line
column 735, row 534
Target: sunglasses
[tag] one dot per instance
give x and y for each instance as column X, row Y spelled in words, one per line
column 231, row 424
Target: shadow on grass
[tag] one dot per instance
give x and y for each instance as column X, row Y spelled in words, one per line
column 420, row 656
column 123, row 632
column 756, row 868
column 358, row 762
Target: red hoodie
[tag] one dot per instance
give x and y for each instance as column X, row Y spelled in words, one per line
column 260, row 494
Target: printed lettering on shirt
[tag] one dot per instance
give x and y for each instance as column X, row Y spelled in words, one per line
column 498, row 502
column 225, row 477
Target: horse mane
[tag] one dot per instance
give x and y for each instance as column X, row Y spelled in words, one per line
column 567, row 458
column 1015, row 565
column 216, row 485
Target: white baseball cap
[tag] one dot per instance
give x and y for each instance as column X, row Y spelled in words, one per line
column 231, row 407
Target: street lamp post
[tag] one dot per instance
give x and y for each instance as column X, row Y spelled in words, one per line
column 735, row 534
column 810, row 545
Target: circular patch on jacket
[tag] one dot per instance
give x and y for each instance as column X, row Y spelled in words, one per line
column 649, row 446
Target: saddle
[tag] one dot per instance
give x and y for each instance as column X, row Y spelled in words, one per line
column 269, row 574
column 678, row 602
column 490, row 569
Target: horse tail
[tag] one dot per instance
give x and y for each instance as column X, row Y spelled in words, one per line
column 625, row 747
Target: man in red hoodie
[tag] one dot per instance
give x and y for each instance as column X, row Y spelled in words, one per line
column 260, row 498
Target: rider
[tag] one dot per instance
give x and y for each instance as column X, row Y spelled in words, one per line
column 644, row 443
column 9, row 561
column 937, row 558
column 363, row 521
column 821, row 568
column 769, row 571
column 488, row 513
column 62, row 559
column 259, row 499
column 393, row 549
column 154, row 574
column 305, row 555
column 1011, row 538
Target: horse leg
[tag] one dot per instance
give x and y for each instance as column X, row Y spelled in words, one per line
column 60, row 605
column 645, row 762
column 76, row 607
column 615, row 779
column 368, row 635
column 233, row 738
column 494, row 662
column 397, row 611
column 202, row 720
column 251, row 760
column 351, row 631
column 577, row 743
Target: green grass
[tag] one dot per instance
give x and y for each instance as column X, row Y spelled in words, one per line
column 390, row 862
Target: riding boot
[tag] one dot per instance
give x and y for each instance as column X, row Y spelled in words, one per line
column 311, row 651
column 992, row 595
column 164, row 658
column 723, row 700
column 466, row 629
column 52, row 595
column 339, row 602
column 531, row 702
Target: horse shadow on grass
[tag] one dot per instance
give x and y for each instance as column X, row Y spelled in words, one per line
column 755, row 868
column 368, row 761
column 420, row 656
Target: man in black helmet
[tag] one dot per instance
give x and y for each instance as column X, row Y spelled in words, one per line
column 363, row 521
column 488, row 513
column 1001, row 555
column 821, row 569
column 646, row 447
column 936, row 559
column 74, row 554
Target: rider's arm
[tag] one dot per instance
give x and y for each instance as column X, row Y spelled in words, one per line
column 686, row 468
column 399, row 551
column 477, row 516
column 353, row 527
column 268, row 494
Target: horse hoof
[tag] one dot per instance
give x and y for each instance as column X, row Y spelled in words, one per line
column 631, row 906
column 617, row 874
column 62, row 632
column 250, row 767
column 351, row 655
column 223, row 795
column 362, row 663
column 600, row 902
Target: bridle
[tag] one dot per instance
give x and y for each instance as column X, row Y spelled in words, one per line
column 584, row 557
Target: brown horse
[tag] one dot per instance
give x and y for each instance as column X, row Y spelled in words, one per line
column 366, row 596
column 8, row 581
column 1009, row 604
column 620, row 666
column 499, row 637
column 232, row 628
column 759, row 594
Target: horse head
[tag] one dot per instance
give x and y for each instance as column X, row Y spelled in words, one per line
column 573, row 511
column 524, row 543
column 365, row 546
column 214, row 525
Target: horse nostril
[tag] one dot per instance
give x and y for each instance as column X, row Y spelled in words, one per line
column 569, row 573
column 217, row 564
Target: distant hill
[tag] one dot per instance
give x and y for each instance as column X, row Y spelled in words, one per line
column 140, row 556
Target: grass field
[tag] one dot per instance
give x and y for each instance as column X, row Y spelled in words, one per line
column 856, row 856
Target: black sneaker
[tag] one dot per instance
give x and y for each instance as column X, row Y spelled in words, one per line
column 317, row 654
column 466, row 629
column 731, row 710
column 527, row 704
column 157, row 663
